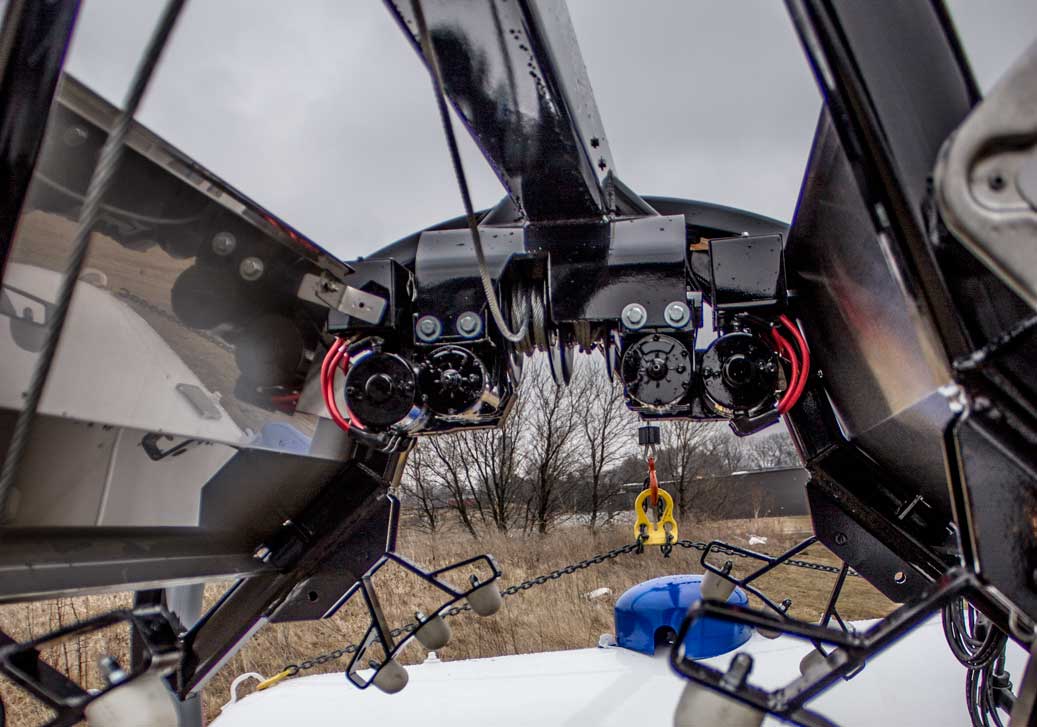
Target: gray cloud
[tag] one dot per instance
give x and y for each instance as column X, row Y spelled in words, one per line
column 321, row 111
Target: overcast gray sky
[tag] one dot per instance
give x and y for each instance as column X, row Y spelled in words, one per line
column 320, row 110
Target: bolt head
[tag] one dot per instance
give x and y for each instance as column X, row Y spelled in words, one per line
column 634, row 316
column 677, row 314
column 428, row 328
column 251, row 268
column 469, row 324
column 223, row 243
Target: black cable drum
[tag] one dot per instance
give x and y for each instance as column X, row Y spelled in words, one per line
column 739, row 373
column 380, row 390
column 657, row 370
column 453, row 381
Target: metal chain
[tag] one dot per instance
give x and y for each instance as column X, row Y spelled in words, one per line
column 293, row 669
column 808, row 565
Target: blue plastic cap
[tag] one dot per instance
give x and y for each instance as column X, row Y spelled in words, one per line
column 649, row 611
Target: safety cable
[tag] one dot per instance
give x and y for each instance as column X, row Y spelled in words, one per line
column 100, row 182
column 462, row 181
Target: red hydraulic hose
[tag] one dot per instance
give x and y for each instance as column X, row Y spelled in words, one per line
column 336, row 356
column 804, row 357
column 785, row 348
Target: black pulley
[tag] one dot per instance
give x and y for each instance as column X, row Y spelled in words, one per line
column 657, row 370
column 380, row 390
column 739, row 373
column 453, row 380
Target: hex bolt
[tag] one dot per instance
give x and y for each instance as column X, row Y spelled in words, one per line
column 251, row 268
column 469, row 324
column 428, row 329
column 223, row 243
column 677, row 314
column 634, row 316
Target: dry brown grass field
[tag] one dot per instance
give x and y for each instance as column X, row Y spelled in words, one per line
column 550, row 617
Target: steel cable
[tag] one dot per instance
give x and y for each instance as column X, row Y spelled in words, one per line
column 462, row 181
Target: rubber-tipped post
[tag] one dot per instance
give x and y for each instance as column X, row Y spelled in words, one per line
column 391, row 678
column 144, row 700
column 485, row 600
column 775, row 633
column 813, row 663
column 715, row 587
column 700, row 706
column 433, row 634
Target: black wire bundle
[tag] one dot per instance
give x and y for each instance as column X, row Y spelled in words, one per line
column 980, row 647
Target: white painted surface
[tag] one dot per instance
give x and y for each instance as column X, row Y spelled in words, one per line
column 915, row 683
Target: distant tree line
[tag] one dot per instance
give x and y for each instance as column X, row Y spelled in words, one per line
column 568, row 452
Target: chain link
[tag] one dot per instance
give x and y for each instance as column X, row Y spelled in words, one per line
column 293, row 669
column 808, row 565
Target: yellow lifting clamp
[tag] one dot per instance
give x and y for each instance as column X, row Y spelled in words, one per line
column 663, row 531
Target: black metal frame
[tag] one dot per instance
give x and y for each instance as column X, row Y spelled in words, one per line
column 380, row 631
column 151, row 627
column 571, row 155
column 34, row 38
column 745, row 583
column 850, row 650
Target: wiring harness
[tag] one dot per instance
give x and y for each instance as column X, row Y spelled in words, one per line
column 980, row 647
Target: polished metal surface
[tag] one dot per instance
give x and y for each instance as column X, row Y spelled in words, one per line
column 882, row 367
column 170, row 314
column 986, row 180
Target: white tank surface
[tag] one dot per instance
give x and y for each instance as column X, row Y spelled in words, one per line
column 917, row 682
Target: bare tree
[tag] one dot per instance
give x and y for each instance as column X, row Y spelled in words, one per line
column 419, row 489
column 447, row 467
column 553, row 425
column 770, row 449
column 685, row 456
column 492, row 460
column 760, row 500
column 606, row 429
